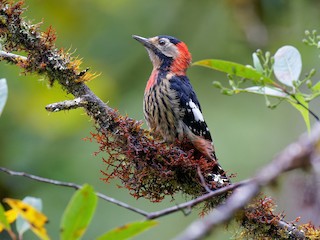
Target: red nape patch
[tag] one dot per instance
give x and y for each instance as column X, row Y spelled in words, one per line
column 182, row 62
column 152, row 80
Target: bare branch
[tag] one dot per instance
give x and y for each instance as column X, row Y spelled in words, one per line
column 198, row 200
column 300, row 154
column 151, row 215
column 67, row 105
column 202, row 180
column 297, row 155
column 222, row 214
column 72, row 185
column 10, row 57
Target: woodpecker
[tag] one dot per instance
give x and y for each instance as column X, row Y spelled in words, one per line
column 171, row 107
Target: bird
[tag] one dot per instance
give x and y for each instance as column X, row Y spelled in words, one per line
column 170, row 105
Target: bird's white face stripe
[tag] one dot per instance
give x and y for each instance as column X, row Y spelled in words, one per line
column 196, row 111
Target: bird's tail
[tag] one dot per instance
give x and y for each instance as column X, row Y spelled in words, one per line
column 218, row 175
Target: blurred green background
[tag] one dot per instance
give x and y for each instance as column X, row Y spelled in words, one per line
column 247, row 135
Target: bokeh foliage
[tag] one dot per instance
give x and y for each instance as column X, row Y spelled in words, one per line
column 246, row 134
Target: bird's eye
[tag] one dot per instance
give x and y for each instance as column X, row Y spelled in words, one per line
column 162, row 42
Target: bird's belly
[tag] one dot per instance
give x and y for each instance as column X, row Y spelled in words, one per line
column 161, row 113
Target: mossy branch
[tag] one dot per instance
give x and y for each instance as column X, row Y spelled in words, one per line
column 148, row 167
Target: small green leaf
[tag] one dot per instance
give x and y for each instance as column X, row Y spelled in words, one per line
column 256, row 62
column 127, row 231
column 217, row 84
column 316, row 87
column 3, row 93
column 234, row 69
column 3, row 219
column 287, row 65
column 78, row 213
column 304, row 112
column 270, row 91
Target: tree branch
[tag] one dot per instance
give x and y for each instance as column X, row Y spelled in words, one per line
column 122, row 138
column 72, row 185
column 11, row 57
column 300, row 154
column 148, row 215
column 194, row 202
column 67, row 104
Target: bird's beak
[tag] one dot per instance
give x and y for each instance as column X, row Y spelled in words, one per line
column 144, row 41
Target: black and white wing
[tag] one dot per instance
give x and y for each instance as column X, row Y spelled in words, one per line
column 193, row 117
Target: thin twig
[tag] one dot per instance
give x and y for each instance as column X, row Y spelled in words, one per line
column 297, row 100
column 307, row 108
column 11, row 57
column 72, row 185
column 187, row 205
column 198, row 200
column 150, row 215
column 66, row 105
column 202, row 180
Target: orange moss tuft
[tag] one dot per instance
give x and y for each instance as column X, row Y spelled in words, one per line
column 259, row 221
column 48, row 38
column 43, row 56
column 262, row 211
column 86, row 76
column 311, row 232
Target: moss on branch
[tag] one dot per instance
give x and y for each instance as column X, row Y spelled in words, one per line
column 148, row 167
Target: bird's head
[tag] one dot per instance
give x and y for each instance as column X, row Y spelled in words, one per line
column 167, row 53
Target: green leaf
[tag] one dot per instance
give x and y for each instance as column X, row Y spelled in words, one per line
column 304, row 112
column 270, row 91
column 256, row 62
column 316, row 87
column 287, row 65
column 3, row 219
column 78, row 213
column 127, row 231
column 3, row 93
column 23, row 225
column 234, row 69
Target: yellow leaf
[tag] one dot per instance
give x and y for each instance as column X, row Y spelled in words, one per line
column 36, row 219
column 11, row 215
column 6, row 218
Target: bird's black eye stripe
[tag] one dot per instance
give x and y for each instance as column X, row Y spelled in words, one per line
column 162, row 42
